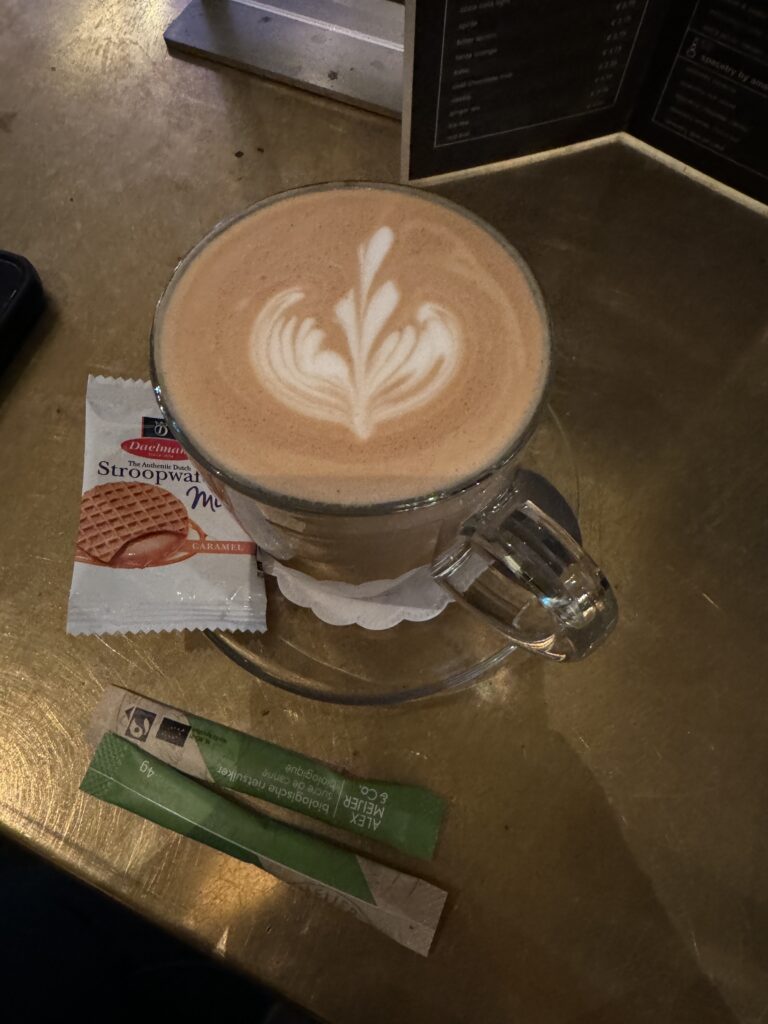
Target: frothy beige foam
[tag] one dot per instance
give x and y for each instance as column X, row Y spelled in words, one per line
column 352, row 345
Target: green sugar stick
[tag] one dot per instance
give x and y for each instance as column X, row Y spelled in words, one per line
column 403, row 816
column 405, row 908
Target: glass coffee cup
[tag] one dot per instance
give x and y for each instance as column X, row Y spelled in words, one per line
column 496, row 552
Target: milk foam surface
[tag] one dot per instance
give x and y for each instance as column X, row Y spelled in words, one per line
column 352, row 345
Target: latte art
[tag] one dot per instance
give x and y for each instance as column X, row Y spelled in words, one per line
column 381, row 376
column 352, row 345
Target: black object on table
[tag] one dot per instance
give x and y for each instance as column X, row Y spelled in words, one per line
column 21, row 302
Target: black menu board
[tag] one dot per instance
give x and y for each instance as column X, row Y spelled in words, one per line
column 706, row 97
column 494, row 79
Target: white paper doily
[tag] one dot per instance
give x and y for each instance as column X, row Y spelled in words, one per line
column 378, row 604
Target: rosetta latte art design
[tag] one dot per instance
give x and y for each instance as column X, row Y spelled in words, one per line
column 383, row 376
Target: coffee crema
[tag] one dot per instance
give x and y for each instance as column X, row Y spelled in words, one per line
column 352, row 345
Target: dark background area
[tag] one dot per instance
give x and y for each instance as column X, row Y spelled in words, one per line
column 65, row 948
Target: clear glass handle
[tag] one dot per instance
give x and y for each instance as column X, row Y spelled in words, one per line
column 518, row 568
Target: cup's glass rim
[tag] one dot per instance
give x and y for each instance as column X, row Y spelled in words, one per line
column 289, row 502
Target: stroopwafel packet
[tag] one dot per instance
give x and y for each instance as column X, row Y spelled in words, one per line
column 156, row 550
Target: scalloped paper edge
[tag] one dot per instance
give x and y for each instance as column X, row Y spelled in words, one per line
column 350, row 611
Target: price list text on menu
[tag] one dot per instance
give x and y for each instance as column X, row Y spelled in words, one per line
column 494, row 79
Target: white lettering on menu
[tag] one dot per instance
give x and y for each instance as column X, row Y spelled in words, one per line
column 383, row 378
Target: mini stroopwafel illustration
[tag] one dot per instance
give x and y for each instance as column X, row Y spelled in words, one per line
column 133, row 526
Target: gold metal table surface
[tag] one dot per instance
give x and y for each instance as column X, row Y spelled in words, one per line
column 605, row 848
